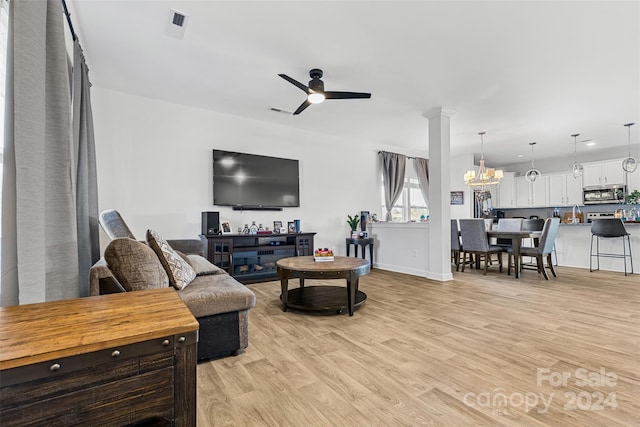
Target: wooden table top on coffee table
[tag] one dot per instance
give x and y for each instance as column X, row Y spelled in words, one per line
column 319, row 298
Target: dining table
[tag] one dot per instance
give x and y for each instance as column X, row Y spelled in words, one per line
column 516, row 242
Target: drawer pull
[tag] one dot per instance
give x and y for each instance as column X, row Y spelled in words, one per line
column 182, row 339
column 165, row 343
column 115, row 353
column 55, row 367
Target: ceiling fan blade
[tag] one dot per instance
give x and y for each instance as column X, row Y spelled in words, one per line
column 346, row 95
column 302, row 107
column 295, row 82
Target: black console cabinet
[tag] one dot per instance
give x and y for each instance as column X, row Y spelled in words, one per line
column 252, row 258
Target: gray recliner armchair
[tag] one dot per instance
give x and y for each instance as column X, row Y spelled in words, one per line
column 219, row 302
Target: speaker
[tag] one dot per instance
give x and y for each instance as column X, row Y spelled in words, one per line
column 210, row 223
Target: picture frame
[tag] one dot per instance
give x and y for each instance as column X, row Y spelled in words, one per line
column 277, row 225
column 225, row 227
column 291, row 227
column 457, row 197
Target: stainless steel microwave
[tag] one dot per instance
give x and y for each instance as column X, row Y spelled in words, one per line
column 600, row 195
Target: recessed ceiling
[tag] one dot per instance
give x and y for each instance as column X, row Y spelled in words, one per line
column 521, row 71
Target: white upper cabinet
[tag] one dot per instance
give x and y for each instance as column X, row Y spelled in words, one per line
column 603, row 173
column 564, row 189
column 506, row 191
column 529, row 194
column 574, row 190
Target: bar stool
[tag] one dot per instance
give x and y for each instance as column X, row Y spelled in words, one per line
column 606, row 229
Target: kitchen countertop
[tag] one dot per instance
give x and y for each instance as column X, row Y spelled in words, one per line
column 588, row 223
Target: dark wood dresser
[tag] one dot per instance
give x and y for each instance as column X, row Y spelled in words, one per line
column 109, row 360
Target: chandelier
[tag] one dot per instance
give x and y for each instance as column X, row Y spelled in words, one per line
column 484, row 178
column 629, row 164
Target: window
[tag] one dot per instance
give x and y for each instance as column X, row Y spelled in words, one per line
column 411, row 205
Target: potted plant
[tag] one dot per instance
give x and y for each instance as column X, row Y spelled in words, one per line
column 353, row 222
column 633, row 198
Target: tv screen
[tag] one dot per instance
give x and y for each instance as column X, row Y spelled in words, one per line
column 252, row 181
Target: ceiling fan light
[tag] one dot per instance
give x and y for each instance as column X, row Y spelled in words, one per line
column 316, row 98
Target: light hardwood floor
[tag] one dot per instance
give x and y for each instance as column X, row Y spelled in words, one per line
column 420, row 352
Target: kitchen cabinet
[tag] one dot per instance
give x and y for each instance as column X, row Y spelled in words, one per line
column 603, row 173
column 506, row 191
column 530, row 194
column 564, row 189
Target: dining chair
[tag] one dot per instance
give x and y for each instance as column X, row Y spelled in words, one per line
column 474, row 241
column 535, row 224
column 457, row 255
column 607, row 229
column 543, row 249
column 508, row 224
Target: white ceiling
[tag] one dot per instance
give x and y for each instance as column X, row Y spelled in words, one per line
column 521, row 71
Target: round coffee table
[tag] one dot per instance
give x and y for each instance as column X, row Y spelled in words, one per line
column 322, row 298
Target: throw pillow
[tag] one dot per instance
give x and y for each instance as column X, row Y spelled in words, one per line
column 179, row 271
column 135, row 265
column 201, row 265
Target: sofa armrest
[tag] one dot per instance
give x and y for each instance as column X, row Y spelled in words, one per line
column 188, row 246
column 102, row 281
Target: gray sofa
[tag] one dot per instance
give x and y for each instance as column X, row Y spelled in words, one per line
column 219, row 302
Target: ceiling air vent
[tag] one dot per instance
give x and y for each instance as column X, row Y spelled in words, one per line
column 178, row 19
column 177, row 24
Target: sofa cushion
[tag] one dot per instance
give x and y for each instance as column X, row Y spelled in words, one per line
column 179, row 271
column 135, row 265
column 201, row 265
column 219, row 293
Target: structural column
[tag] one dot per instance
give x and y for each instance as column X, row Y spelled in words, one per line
column 439, row 193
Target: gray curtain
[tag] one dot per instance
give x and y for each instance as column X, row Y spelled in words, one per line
column 86, row 184
column 393, row 167
column 422, row 170
column 40, row 228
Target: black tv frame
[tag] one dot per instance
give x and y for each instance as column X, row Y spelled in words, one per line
column 257, row 207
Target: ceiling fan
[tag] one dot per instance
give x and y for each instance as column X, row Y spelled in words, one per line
column 316, row 93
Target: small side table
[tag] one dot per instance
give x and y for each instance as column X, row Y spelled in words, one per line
column 363, row 243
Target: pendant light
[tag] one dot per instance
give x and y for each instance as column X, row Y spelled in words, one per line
column 629, row 164
column 576, row 167
column 532, row 174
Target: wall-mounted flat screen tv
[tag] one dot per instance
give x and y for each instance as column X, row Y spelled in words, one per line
column 249, row 181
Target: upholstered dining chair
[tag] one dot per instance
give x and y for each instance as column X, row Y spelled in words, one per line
column 508, row 224
column 544, row 248
column 457, row 255
column 536, row 224
column 474, row 241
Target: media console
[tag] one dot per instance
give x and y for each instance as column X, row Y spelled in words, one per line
column 251, row 258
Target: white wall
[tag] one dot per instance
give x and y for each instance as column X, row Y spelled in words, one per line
column 460, row 165
column 154, row 163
